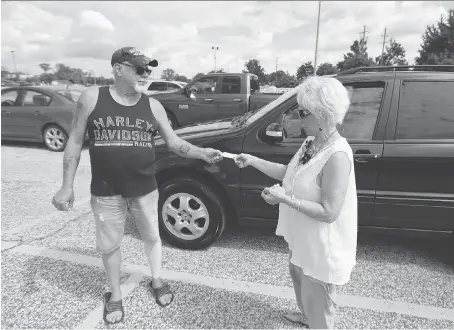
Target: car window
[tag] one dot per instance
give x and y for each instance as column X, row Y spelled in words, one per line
column 206, row 85
column 172, row 87
column 9, row 98
column 36, row 99
column 231, row 85
column 365, row 104
column 292, row 125
column 426, row 110
column 158, row 86
column 71, row 95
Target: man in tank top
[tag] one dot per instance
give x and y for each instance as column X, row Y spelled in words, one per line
column 121, row 122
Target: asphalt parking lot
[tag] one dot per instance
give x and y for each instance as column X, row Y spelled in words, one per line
column 52, row 277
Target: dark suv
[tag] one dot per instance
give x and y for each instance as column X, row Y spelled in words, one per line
column 400, row 126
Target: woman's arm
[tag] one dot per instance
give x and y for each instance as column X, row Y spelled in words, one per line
column 273, row 170
column 334, row 185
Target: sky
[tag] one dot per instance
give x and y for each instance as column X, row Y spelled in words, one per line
column 180, row 35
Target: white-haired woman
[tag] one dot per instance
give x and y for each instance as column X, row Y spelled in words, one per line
column 317, row 202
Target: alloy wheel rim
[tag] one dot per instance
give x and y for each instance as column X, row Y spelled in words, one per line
column 185, row 216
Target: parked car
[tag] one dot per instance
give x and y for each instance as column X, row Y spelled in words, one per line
column 38, row 114
column 214, row 96
column 71, row 94
column 164, row 86
column 400, row 126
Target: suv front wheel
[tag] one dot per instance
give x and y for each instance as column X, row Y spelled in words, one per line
column 191, row 214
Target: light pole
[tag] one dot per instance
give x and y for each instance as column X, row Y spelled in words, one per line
column 14, row 62
column 215, row 50
column 316, row 38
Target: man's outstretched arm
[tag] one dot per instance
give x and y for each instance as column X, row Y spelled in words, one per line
column 178, row 145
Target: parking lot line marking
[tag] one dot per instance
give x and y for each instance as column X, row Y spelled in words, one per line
column 78, row 204
column 8, row 245
column 382, row 305
column 92, row 320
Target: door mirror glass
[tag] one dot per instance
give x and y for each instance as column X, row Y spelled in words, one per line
column 274, row 131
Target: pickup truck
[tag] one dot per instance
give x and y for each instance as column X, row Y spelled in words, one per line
column 400, row 126
column 214, row 96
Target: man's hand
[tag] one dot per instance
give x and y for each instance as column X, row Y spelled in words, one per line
column 64, row 199
column 211, row 155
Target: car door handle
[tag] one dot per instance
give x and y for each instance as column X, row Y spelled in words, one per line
column 37, row 113
column 362, row 156
column 6, row 113
column 237, row 100
column 208, row 100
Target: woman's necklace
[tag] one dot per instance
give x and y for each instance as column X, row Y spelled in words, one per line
column 308, row 155
column 311, row 151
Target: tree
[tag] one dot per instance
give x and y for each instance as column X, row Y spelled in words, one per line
column 326, row 69
column 438, row 42
column 5, row 72
column 198, row 75
column 305, row 70
column 63, row 72
column 45, row 67
column 357, row 56
column 394, row 55
column 168, row 74
column 221, row 70
column 253, row 66
column 181, row 78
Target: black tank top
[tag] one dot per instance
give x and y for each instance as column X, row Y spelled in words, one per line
column 121, row 149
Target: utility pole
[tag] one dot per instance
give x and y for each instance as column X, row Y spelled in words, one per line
column 277, row 58
column 14, row 62
column 316, row 37
column 363, row 40
column 383, row 48
column 215, row 50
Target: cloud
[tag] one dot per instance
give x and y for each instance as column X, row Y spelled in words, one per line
column 180, row 34
column 94, row 19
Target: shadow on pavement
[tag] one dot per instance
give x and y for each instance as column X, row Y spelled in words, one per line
column 433, row 246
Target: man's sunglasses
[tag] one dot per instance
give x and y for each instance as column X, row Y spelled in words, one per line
column 139, row 70
column 303, row 113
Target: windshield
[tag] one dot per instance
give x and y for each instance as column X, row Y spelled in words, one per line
column 270, row 106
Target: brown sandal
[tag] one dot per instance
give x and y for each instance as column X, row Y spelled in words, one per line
column 112, row 306
column 159, row 292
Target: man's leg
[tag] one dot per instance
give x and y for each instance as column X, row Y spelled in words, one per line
column 144, row 210
column 110, row 215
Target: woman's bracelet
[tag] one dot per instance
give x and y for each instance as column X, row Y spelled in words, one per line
column 297, row 203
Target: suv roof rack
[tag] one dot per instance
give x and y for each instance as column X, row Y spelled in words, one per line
column 409, row 68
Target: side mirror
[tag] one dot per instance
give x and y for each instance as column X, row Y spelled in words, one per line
column 275, row 132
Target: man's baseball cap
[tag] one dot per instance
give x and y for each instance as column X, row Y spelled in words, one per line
column 133, row 56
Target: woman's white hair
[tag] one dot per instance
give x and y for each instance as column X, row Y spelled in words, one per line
column 325, row 97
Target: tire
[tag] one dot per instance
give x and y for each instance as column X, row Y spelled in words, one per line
column 55, row 138
column 172, row 120
column 191, row 232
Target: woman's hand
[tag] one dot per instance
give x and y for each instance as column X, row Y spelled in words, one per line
column 243, row 160
column 274, row 195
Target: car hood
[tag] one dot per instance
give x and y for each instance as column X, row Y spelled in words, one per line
column 215, row 125
column 211, row 128
column 166, row 96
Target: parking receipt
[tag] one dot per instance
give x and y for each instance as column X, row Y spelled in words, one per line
column 228, row 155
